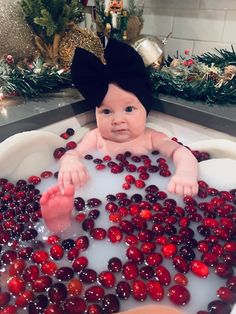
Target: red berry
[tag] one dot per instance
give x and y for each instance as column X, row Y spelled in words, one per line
column 71, row 145
column 114, row 234
column 179, row 295
column 199, row 268
column 100, row 167
column 34, row 180
column 46, row 174
column 140, row 184
column 163, row 275
column 16, row 285
column 106, row 279
column 181, row 279
column 169, row 250
column 130, row 179
column 139, row 290
column 155, row 290
column 56, row 252
column 75, row 287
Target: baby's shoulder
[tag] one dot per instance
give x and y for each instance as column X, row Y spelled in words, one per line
column 154, row 133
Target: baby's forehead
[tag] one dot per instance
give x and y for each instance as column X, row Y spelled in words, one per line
column 116, row 94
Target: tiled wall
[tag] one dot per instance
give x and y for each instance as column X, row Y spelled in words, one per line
column 196, row 25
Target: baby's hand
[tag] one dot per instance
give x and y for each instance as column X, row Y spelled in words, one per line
column 72, row 171
column 183, row 184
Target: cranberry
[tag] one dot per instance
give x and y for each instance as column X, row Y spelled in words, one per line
column 180, row 264
column 59, row 152
column 16, row 285
column 49, row 268
column 224, row 270
column 199, row 268
column 106, row 279
column 80, row 263
column 74, row 287
column 64, row 273
column 53, row 309
column 110, row 304
column 56, row 252
column 39, row 257
column 8, row 256
column 57, row 292
column 179, row 295
column 168, row 250
column 187, row 252
column 74, row 305
column 219, row 307
column 126, row 226
column 79, row 203
column 114, row 234
column 41, row 284
column 180, row 279
column 210, row 259
column 155, row 290
column 114, row 264
column 88, row 224
column 148, row 247
column 82, row 243
column 146, row 272
column 227, row 295
column 94, row 309
column 123, row 290
column 231, row 283
column 139, row 290
column 98, row 233
column 130, row 270
column 5, row 298
column 154, row 259
column 163, row 275
column 94, row 294
column 24, row 299
column 135, row 254
column 94, row 213
column 29, row 234
column 31, row 273
column 88, row 275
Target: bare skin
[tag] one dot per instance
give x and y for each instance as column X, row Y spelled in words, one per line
column 57, row 207
column 153, row 309
column 121, row 127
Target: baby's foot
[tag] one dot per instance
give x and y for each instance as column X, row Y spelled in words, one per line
column 56, row 207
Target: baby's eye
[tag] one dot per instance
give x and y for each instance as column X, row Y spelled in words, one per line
column 106, row 111
column 129, row 109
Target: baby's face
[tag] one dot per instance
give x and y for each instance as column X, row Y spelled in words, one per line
column 121, row 117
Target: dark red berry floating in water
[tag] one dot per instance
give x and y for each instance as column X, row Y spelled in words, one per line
column 179, row 295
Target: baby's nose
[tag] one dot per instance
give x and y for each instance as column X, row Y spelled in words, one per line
column 118, row 118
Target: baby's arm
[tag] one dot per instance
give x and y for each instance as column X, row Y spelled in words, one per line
column 72, row 171
column 184, row 181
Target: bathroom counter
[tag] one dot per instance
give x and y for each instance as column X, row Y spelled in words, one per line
column 19, row 114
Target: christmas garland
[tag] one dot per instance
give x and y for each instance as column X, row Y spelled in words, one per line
column 31, row 79
column 196, row 78
column 210, row 78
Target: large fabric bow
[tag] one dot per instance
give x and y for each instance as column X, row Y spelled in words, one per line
column 124, row 66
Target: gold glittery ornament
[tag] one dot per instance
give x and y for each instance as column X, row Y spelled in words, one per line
column 79, row 37
column 15, row 35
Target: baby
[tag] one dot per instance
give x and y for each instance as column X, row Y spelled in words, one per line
column 121, row 94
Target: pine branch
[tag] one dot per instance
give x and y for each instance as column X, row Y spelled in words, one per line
column 222, row 58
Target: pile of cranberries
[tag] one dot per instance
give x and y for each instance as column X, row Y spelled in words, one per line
column 54, row 277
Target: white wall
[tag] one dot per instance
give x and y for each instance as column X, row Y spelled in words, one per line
column 196, row 25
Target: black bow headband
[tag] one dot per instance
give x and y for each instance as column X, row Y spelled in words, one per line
column 124, row 66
